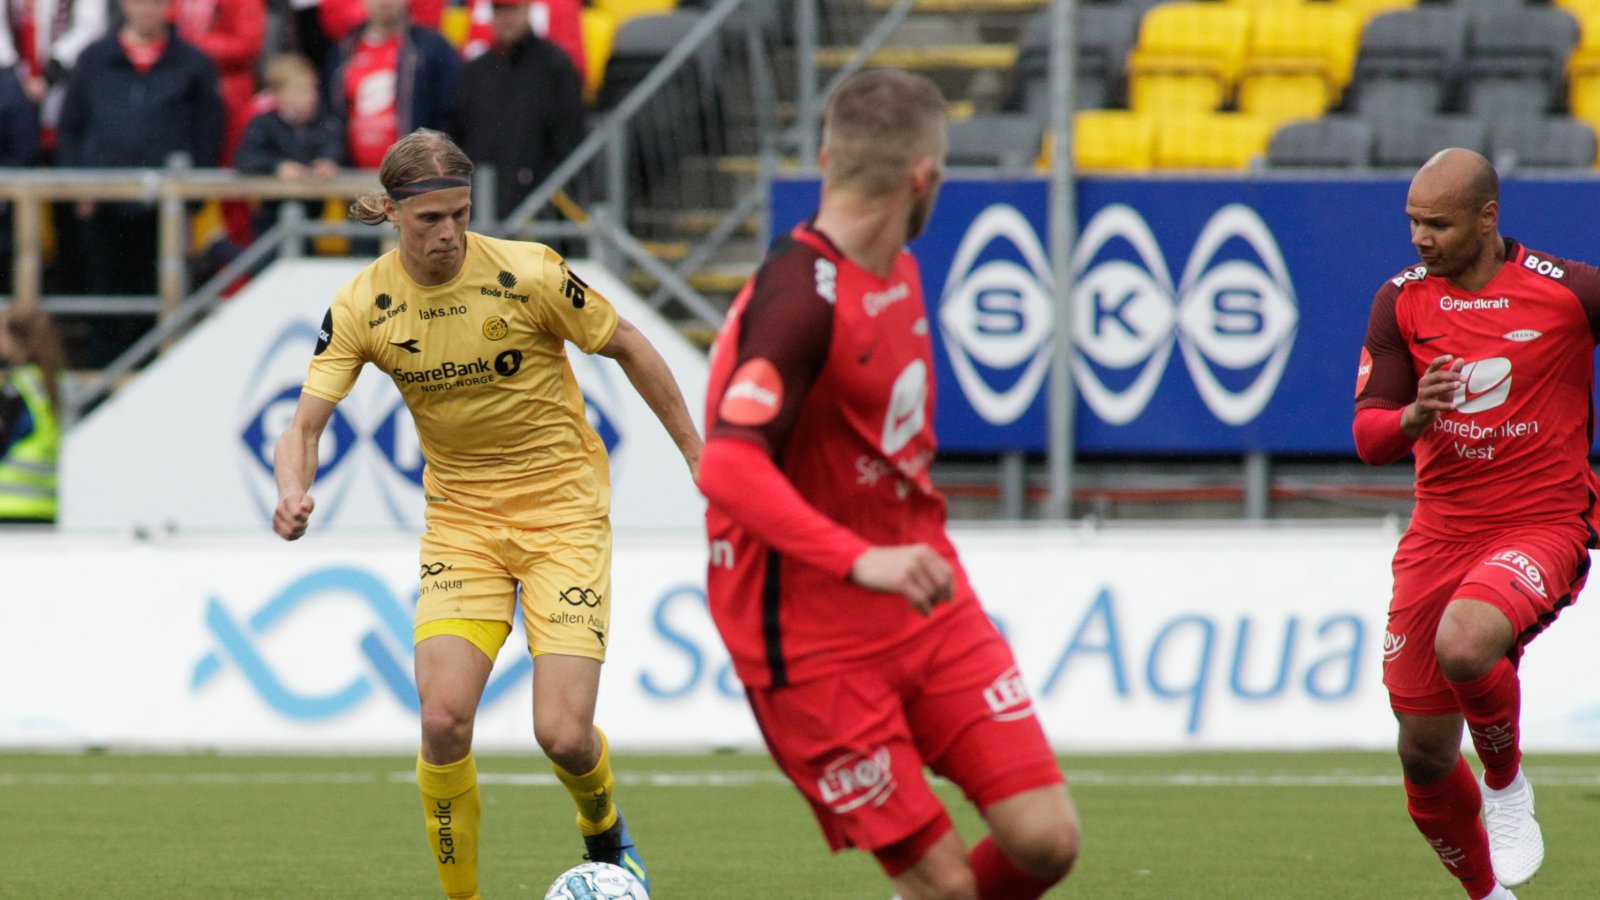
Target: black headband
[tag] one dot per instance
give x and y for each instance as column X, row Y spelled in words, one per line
column 436, row 183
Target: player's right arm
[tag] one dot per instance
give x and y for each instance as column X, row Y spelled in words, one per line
column 1393, row 406
column 295, row 465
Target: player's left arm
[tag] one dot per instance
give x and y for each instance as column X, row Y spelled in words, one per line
column 653, row 380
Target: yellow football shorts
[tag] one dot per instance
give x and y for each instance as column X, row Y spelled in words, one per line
column 470, row 576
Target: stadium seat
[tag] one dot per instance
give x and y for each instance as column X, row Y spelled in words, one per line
column 1408, row 141
column 599, row 30
column 623, row 10
column 1555, row 142
column 1299, row 60
column 1210, row 140
column 995, row 140
column 1516, row 61
column 1583, row 68
column 1104, row 33
column 1113, row 139
column 1410, row 61
column 1339, row 142
column 1187, row 57
column 1366, row 9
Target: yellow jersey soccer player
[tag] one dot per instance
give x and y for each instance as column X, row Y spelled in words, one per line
column 472, row 330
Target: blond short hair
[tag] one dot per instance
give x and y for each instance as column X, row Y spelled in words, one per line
column 285, row 68
column 877, row 124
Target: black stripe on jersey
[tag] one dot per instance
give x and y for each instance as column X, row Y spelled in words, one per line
column 771, row 630
column 1565, row 600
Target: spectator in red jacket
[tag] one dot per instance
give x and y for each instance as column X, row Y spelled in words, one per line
column 231, row 33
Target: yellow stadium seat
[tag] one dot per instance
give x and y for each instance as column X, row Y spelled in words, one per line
column 599, row 34
column 1316, row 37
column 1113, row 139
column 1180, row 47
column 1583, row 95
column 1214, row 141
column 1280, row 97
column 456, row 24
column 623, row 10
column 1366, row 9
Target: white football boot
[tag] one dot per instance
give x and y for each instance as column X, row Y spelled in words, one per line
column 1516, row 845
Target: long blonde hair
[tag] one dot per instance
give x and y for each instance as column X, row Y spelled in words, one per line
column 33, row 335
column 418, row 155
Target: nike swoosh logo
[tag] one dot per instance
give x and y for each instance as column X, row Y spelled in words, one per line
column 1424, row 340
column 410, row 346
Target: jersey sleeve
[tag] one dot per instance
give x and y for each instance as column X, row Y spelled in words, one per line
column 570, row 309
column 784, row 334
column 339, row 354
column 1584, row 282
column 1385, row 379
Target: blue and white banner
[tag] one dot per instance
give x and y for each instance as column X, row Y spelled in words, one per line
column 1218, row 315
column 1149, row 640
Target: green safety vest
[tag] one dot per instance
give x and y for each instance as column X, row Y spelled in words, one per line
column 28, row 468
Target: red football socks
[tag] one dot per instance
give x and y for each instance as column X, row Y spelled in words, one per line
column 1446, row 812
column 1492, row 706
column 999, row 878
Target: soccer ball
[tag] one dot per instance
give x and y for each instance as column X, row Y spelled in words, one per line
column 596, row 881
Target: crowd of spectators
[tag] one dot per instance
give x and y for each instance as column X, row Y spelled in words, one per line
column 297, row 88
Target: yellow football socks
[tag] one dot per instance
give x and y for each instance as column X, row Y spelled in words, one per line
column 450, row 803
column 592, row 792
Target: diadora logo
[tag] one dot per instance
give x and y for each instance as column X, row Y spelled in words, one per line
column 1521, row 565
column 857, row 779
column 1392, row 645
column 271, row 649
column 1485, row 385
column 1234, row 320
column 1008, row 697
column 995, row 314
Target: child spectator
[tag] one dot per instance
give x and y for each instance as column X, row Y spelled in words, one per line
column 295, row 139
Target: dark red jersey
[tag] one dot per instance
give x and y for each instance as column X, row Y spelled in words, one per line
column 822, row 378
column 1515, row 451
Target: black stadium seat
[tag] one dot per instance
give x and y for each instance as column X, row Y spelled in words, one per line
column 1552, row 143
column 1329, row 142
column 1104, row 33
column 1410, row 61
column 1517, row 59
column 998, row 140
column 1408, row 141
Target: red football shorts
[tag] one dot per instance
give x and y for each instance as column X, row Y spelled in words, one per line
column 1530, row 574
column 855, row 744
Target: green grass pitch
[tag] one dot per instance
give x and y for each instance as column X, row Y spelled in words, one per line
column 1241, row 826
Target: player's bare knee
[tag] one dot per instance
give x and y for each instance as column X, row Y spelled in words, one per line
column 1046, row 848
column 446, row 733
column 1427, row 762
column 1464, row 655
column 569, row 743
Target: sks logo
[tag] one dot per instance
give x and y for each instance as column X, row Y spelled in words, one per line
column 1233, row 320
column 995, row 317
column 294, row 679
column 371, row 437
column 855, row 780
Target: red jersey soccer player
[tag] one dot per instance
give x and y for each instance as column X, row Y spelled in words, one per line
column 863, row 649
column 1481, row 362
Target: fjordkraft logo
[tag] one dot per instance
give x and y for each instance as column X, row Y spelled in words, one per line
column 995, row 316
column 857, row 779
column 1485, row 385
column 577, row 596
column 1233, row 320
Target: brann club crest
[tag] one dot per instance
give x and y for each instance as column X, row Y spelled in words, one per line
column 1233, row 320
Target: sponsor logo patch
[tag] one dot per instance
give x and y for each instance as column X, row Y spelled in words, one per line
column 857, row 779
column 754, row 394
column 495, row 328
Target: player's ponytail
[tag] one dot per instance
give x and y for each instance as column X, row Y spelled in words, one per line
column 421, row 156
